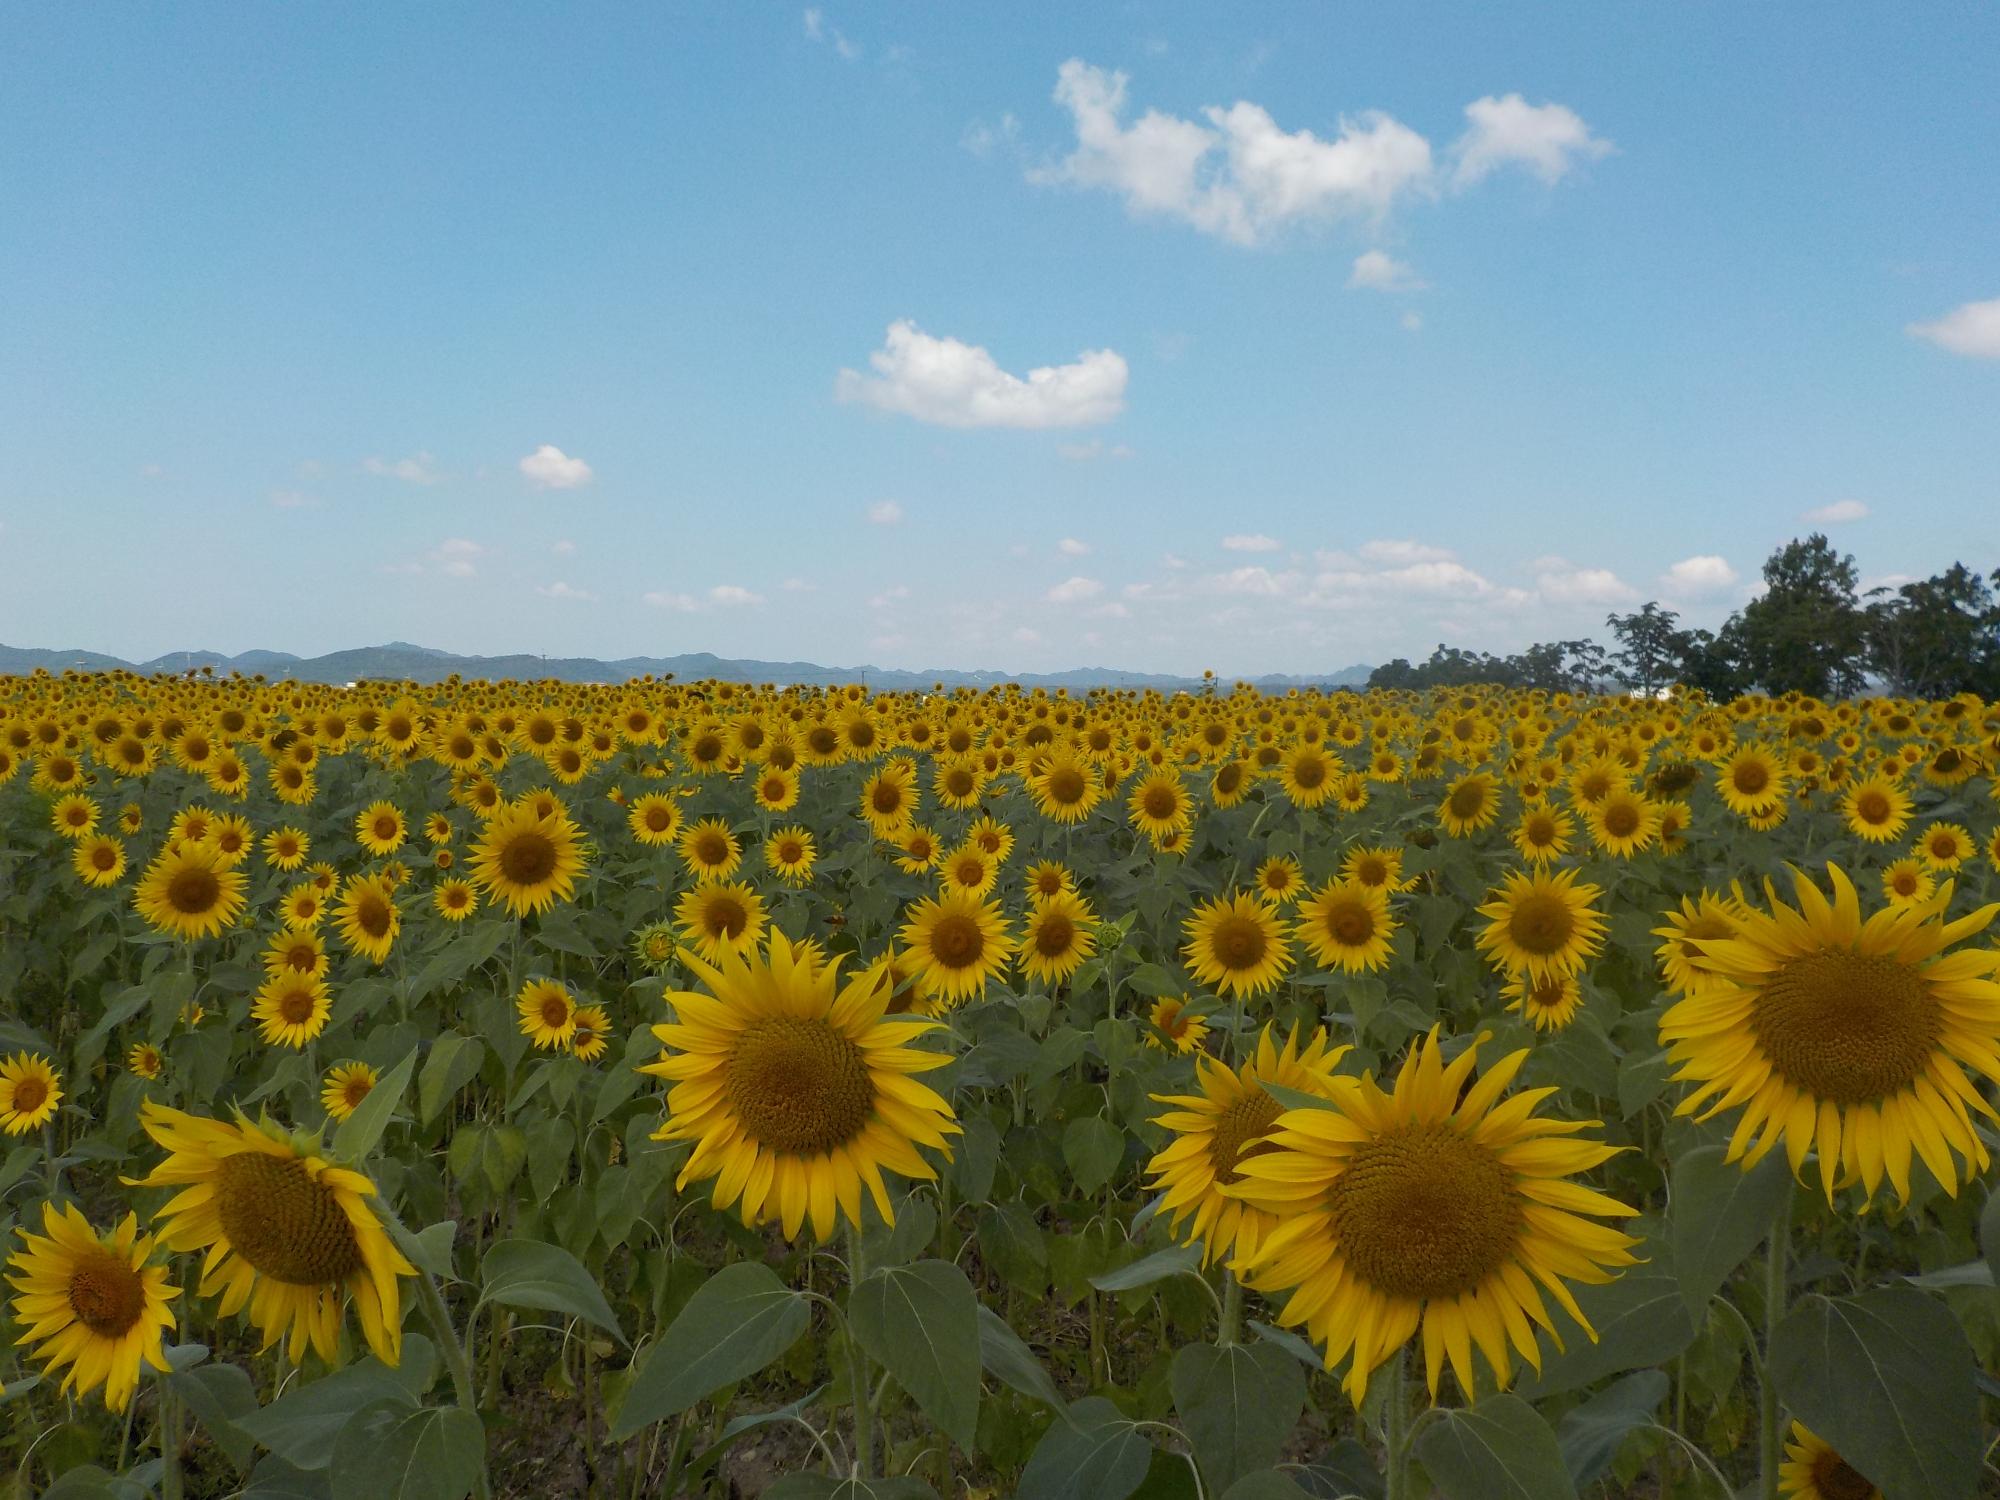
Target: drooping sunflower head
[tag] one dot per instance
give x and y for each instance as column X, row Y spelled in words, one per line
column 1237, row 944
column 91, row 1302
column 1858, row 1039
column 797, row 1090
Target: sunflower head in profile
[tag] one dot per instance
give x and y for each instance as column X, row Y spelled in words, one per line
column 1060, row 935
column 1237, row 945
column 1541, row 924
column 1812, row 1470
column 1222, row 1125
column 91, row 1302
column 1346, row 925
column 796, row 1089
column 1851, row 1037
column 719, row 916
column 189, row 892
column 1431, row 1206
column 958, row 942
column 528, row 857
column 1698, row 919
column 288, row 1235
column 30, row 1090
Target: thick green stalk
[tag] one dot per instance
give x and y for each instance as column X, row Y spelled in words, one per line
column 857, row 1364
column 1770, row 1449
column 1396, row 1427
column 1230, row 1328
column 171, row 1487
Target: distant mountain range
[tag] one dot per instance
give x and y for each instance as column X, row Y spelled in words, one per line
column 400, row 661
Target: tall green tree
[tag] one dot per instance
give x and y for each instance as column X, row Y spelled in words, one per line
column 1651, row 649
column 1807, row 633
column 1937, row 636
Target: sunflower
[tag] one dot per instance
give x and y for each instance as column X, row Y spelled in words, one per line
column 454, row 899
column 1375, row 865
column 1877, row 809
column 797, row 1090
column 1064, row 790
column 437, row 828
column 1551, row 1002
column 1700, row 919
column 381, row 828
column 917, row 850
column 1346, row 925
column 1061, row 934
column 368, row 921
column 1944, row 846
column 91, row 1302
column 1172, row 1027
column 1350, row 792
column 1752, row 780
column 143, row 1060
column 291, row 1008
column 1216, row 1129
column 1543, row 834
column 1541, row 924
column 1847, row 1036
column 288, row 1234
column 957, row 942
column 1159, row 804
column 1236, row 944
column 593, row 1028
column 1812, row 1470
column 719, row 916
column 1472, row 803
column 957, row 782
column 303, row 906
column 298, row 949
column 30, row 1090
column 1280, row 879
column 1907, row 882
column 528, row 858
column 74, row 815
column 1428, row 1207
column 710, row 851
column 889, row 799
column 994, row 837
column 654, row 818
column 1622, row 822
column 286, row 848
column 1229, row 784
column 776, row 790
column 789, row 853
column 347, row 1084
column 1306, row 775
column 548, row 1014
column 970, row 869
column 1048, row 878
column 233, row 839
column 188, row 893
column 99, row 861
column 654, row 945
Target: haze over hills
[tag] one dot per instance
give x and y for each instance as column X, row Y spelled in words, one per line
column 400, row 661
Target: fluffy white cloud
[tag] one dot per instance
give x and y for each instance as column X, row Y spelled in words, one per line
column 418, row 468
column 730, row 596
column 722, row 596
column 1069, row 546
column 457, row 556
column 1254, row 541
column 1258, row 582
column 1075, row 591
column 1239, row 176
column 561, row 590
column 1112, row 611
column 1836, row 513
column 1698, row 577
column 549, row 468
column 1972, row 330
column 954, row 384
column 798, row 586
column 1561, row 582
column 1548, row 140
column 884, row 513
column 1378, row 271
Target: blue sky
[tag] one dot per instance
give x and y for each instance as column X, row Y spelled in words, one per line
column 638, row 330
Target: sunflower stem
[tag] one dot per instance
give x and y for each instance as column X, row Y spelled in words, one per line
column 857, row 1364
column 171, row 1487
column 1396, row 1427
column 1770, row 1449
column 1230, row 1327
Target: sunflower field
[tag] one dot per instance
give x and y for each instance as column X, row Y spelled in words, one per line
column 693, row 1089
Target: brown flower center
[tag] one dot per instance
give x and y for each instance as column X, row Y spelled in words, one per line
column 285, row 1222
column 799, row 1086
column 1425, row 1212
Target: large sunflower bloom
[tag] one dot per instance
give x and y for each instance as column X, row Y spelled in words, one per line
column 528, row 859
column 289, row 1235
column 91, row 1302
column 190, row 892
column 1346, row 925
column 1237, row 945
column 1541, row 924
column 719, row 915
column 1433, row 1206
column 1061, row 934
column 1850, row 1037
column 1216, row 1129
column 957, row 942
column 795, row 1089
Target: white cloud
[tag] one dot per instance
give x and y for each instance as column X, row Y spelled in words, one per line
column 292, row 499
column 549, row 468
column 890, row 596
column 884, row 513
column 1173, row 562
column 1697, row 577
column 1239, row 177
column 1836, row 513
column 1439, row 576
column 1081, row 453
column 418, row 468
column 1251, row 542
column 1399, row 552
column 981, row 139
column 560, row 590
column 1258, row 582
column 730, row 596
column 563, row 548
column 1548, row 140
column 1075, row 591
column 818, row 30
column 798, row 586
column 955, row 384
column 1561, row 582
column 1069, row 546
column 1378, row 271
column 1113, row 611
column 456, row 557
column 1412, row 322
column 1972, row 330
column 684, row 603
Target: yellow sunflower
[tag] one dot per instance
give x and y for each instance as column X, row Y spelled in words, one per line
column 797, row 1090
column 143, row 1060
column 30, row 1090
column 593, row 1030
column 1753, row 781
column 917, row 850
column 957, row 942
column 1699, row 919
column 1236, row 944
column 1541, row 924
column 1375, row 865
column 291, row 1008
column 719, row 916
column 455, row 900
column 289, row 1235
column 789, row 853
column 1551, row 1003
column 368, row 920
column 1543, row 834
column 1877, row 809
column 91, row 1302
column 1171, row 1026
column 74, row 815
column 710, row 851
column 1346, row 925
column 188, row 892
column 1944, row 846
column 548, row 1014
column 1218, row 1128
column 1812, row 1470
column 1061, row 933
column 380, row 828
column 528, row 858
column 1280, row 879
column 889, row 799
column 1622, row 822
column 1847, row 1036
column 286, row 848
column 347, row 1084
column 99, row 861
column 1306, row 775
column 1906, row 882
column 1064, row 790
column 1431, row 1207
column 1048, row 878
column 654, row 818
column 1159, row 804
column 1472, row 803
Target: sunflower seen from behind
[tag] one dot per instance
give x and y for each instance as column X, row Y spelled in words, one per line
column 91, row 1305
column 798, row 1091
column 1431, row 1207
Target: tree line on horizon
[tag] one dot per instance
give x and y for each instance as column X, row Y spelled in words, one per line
column 1811, row 631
